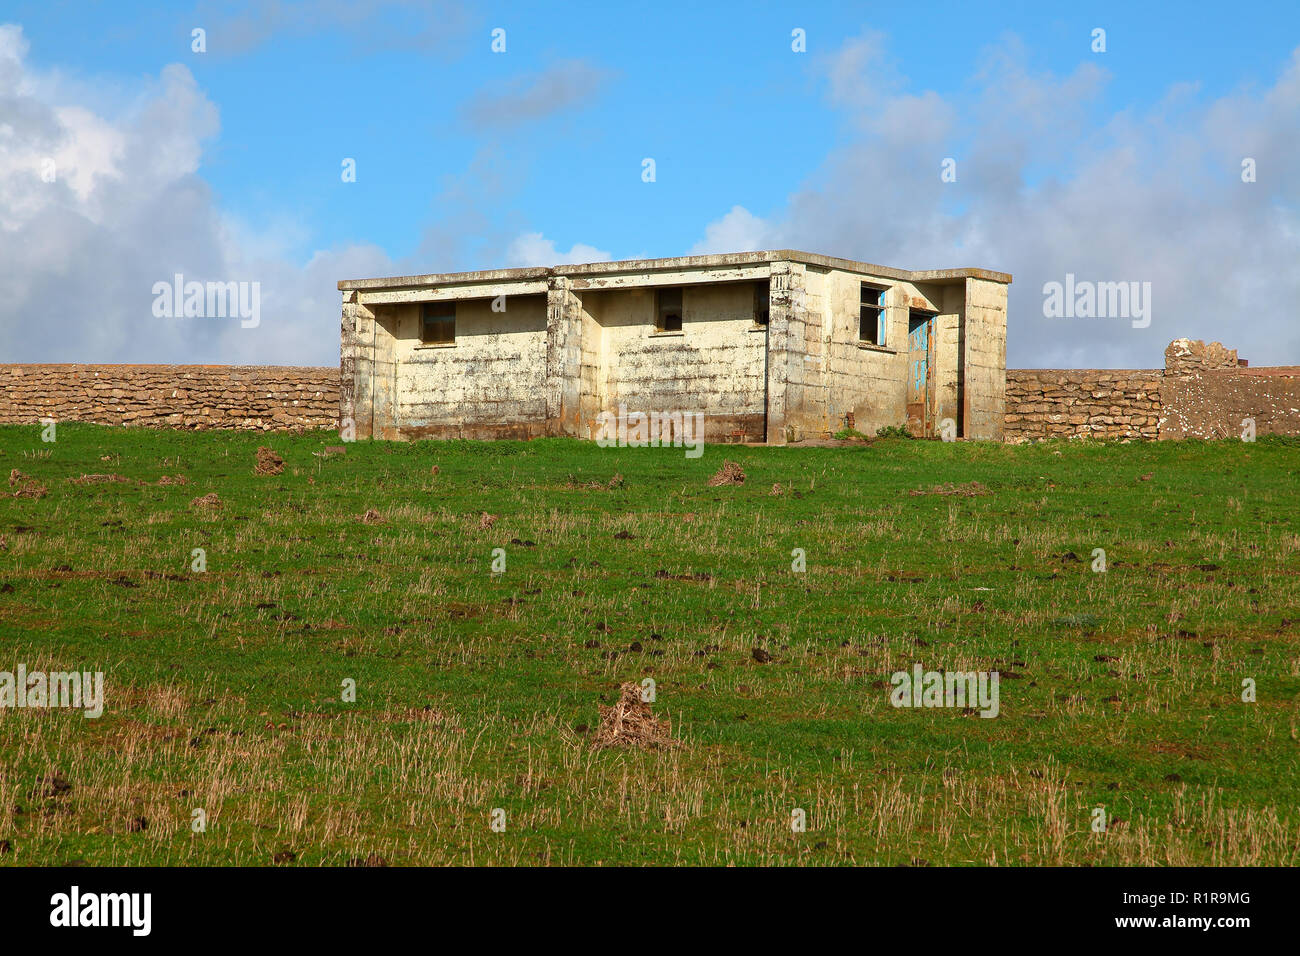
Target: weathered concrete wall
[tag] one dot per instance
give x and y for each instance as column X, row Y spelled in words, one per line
column 715, row 365
column 786, row 305
column 984, row 361
column 355, row 366
column 865, row 380
column 1207, row 393
column 490, row 383
column 870, row 381
column 567, row 331
column 383, row 376
column 947, row 356
column 590, row 372
column 172, row 396
column 809, row 329
column 1098, row 403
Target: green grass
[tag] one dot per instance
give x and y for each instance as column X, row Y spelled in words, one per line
column 478, row 691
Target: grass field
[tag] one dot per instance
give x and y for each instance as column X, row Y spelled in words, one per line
column 478, row 690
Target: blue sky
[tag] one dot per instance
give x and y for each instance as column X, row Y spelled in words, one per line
column 472, row 159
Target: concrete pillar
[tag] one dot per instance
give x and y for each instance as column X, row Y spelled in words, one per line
column 563, row 358
column 383, row 377
column 984, row 363
column 946, row 335
column 786, row 317
column 356, row 366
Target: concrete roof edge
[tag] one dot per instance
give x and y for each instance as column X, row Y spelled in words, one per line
column 663, row 265
column 446, row 278
column 714, row 260
column 910, row 275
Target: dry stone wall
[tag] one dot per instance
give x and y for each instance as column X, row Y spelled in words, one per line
column 1204, row 391
column 1098, row 403
column 172, row 396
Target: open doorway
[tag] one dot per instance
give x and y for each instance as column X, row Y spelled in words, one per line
column 920, row 372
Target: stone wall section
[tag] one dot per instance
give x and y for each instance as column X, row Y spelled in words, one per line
column 1204, row 391
column 1208, row 393
column 249, row 397
column 1068, row 403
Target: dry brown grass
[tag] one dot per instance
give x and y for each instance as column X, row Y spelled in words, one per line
column 729, row 474
column 630, row 722
column 268, row 462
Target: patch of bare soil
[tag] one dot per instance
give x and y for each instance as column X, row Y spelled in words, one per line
column 971, row 489
column 729, row 474
column 268, row 462
column 615, row 482
column 428, row 714
column 697, row 576
column 97, row 479
column 631, row 723
column 209, row 501
column 463, row 612
column 25, row 486
column 166, row 480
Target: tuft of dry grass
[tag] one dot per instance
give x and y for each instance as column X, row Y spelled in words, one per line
column 729, row 474
column 969, row 489
column 98, row 479
column 268, row 462
column 631, row 722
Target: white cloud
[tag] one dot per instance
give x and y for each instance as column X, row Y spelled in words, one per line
column 126, row 209
column 534, row 249
column 738, row 231
column 1044, row 188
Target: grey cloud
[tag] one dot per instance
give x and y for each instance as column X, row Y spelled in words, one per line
column 1152, row 195
column 236, row 28
column 563, row 85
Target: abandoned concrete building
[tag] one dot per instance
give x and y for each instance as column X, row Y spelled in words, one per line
column 769, row 346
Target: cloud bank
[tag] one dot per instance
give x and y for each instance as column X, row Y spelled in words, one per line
column 1149, row 196
column 94, row 212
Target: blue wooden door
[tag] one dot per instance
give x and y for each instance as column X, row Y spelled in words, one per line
column 919, row 330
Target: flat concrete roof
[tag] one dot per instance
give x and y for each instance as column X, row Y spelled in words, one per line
column 722, row 260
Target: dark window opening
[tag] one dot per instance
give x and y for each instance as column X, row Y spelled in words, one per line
column 668, row 310
column 871, row 315
column 762, row 303
column 438, row 323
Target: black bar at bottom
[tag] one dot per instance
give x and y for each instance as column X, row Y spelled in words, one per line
column 334, row 907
